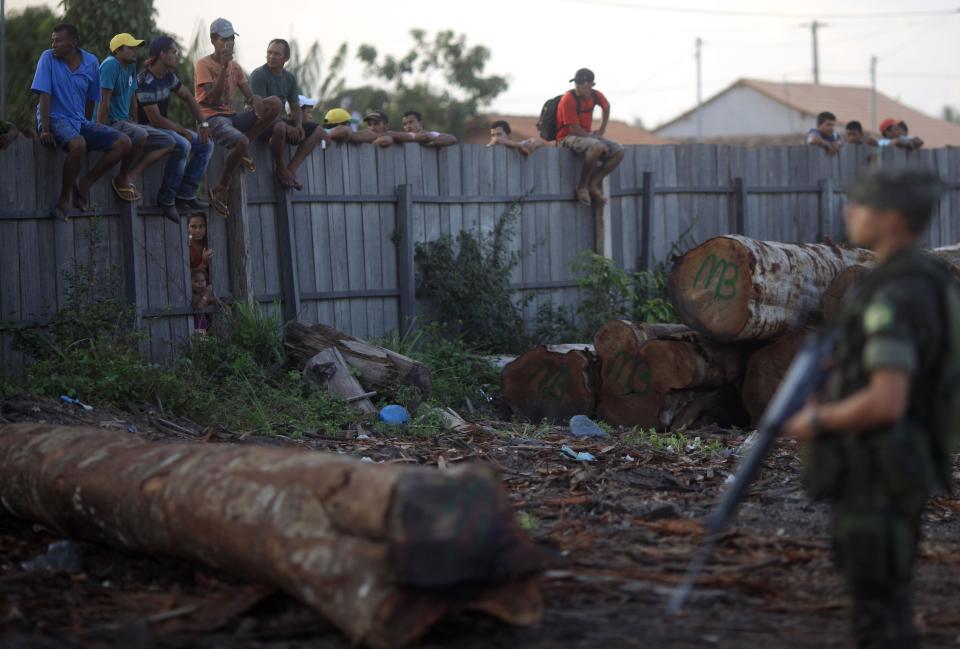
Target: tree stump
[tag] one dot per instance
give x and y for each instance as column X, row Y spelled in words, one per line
column 736, row 288
column 552, row 382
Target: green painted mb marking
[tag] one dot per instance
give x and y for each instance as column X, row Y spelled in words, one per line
column 726, row 274
column 552, row 381
column 636, row 370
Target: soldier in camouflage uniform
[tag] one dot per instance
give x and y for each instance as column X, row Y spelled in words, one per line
column 875, row 451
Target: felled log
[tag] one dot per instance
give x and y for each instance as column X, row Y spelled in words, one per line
column 382, row 551
column 765, row 370
column 835, row 296
column 380, row 370
column 639, row 379
column 330, row 371
column 552, row 382
column 736, row 288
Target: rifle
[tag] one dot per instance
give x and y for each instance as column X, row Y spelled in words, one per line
column 806, row 375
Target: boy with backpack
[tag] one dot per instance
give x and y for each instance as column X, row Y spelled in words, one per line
column 881, row 440
column 568, row 119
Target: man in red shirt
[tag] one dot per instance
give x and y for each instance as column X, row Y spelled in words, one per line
column 574, row 131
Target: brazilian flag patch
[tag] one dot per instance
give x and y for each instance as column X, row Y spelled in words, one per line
column 878, row 317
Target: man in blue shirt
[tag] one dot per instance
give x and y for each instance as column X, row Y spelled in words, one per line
column 118, row 74
column 67, row 82
column 825, row 135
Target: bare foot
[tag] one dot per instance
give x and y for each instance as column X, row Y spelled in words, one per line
column 584, row 197
column 597, row 196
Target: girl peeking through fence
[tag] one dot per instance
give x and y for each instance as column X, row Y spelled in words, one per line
column 200, row 253
column 201, row 287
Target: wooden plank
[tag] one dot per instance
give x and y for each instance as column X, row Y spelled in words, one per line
column 470, row 186
column 155, row 269
column 335, row 169
column 514, row 177
column 405, row 267
column 10, row 304
column 272, row 253
column 372, row 245
column 389, row 226
column 451, row 222
column 302, row 236
column 354, row 248
column 257, row 252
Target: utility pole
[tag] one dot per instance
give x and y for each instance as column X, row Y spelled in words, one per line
column 873, row 92
column 814, row 28
column 699, row 47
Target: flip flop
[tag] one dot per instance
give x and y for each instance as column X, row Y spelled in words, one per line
column 133, row 188
column 248, row 164
column 57, row 212
column 126, row 194
column 287, row 182
column 218, row 204
column 297, row 184
column 79, row 200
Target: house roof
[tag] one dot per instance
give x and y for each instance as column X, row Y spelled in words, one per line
column 524, row 126
column 847, row 103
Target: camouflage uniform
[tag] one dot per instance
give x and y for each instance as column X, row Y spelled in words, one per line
column 878, row 482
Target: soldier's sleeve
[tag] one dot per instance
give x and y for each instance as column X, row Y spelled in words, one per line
column 894, row 322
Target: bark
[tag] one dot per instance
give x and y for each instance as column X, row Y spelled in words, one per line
column 639, row 379
column 736, row 288
column 380, row 370
column 553, row 382
column 382, row 551
column 330, row 371
column 765, row 370
column 835, row 296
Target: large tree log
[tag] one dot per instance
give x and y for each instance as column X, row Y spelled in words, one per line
column 765, row 370
column 641, row 374
column 383, row 551
column 380, row 370
column 736, row 288
column 553, row 382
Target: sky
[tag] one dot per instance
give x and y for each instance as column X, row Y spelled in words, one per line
column 643, row 56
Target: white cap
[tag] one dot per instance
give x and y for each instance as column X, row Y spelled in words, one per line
column 308, row 101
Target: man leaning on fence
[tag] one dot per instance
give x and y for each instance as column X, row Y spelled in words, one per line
column 118, row 81
column 574, row 131
column 191, row 150
column 67, row 82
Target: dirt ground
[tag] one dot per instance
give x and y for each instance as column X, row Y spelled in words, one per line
column 622, row 527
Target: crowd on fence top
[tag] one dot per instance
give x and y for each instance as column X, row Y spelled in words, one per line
column 893, row 133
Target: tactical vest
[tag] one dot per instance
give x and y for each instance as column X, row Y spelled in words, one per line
column 913, row 457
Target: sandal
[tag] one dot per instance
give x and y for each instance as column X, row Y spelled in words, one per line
column 126, row 194
column 248, row 164
column 218, row 204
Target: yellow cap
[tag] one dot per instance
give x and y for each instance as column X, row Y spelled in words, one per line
column 336, row 116
column 120, row 40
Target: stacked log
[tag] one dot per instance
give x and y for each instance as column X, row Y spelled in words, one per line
column 765, row 370
column 552, row 382
column 382, row 551
column 660, row 376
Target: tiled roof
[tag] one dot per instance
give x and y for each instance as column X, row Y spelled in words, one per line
column 524, row 126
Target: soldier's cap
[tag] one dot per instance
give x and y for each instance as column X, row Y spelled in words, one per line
column 160, row 44
column 378, row 115
column 583, row 75
column 336, row 116
column 223, row 28
column 120, row 40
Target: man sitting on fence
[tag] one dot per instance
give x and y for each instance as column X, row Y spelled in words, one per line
column 67, row 81
column 377, row 131
column 855, row 135
column 413, row 131
column 118, row 74
column 271, row 80
column 500, row 134
column 825, row 134
column 574, row 124
column 218, row 77
column 181, row 177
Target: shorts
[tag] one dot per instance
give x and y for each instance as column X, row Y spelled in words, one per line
column 155, row 138
column 308, row 127
column 229, row 129
column 97, row 136
column 580, row 144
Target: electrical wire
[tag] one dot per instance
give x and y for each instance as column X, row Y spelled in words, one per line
column 877, row 15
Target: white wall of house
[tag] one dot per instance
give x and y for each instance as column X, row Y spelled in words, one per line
column 741, row 111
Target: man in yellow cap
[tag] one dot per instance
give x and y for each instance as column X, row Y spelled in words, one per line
column 118, row 81
column 337, row 125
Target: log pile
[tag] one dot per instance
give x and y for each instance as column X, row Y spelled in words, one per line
column 745, row 307
column 382, row 551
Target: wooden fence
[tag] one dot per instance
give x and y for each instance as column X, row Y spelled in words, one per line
column 342, row 250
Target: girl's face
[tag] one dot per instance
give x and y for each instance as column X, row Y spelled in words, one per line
column 197, row 227
column 199, row 282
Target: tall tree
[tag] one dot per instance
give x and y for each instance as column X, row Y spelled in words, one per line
column 28, row 35
column 951, row 114
column 101, row 20
column 442, row 78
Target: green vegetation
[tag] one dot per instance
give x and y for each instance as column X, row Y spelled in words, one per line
column 675, row 442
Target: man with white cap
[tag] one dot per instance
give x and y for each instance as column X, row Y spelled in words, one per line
column 271, row 80
column 217, row 79
column 118, row 108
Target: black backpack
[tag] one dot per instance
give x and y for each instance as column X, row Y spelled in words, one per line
column 547, row 124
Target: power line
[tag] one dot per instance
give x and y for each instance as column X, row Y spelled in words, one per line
column 880, row 15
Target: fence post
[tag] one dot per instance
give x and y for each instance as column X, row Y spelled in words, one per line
column 134, row 248
column 406, row 279
column 825, row 208
column 646, row 217
column 238, row 241
column 289, row 281
column 739, row 224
